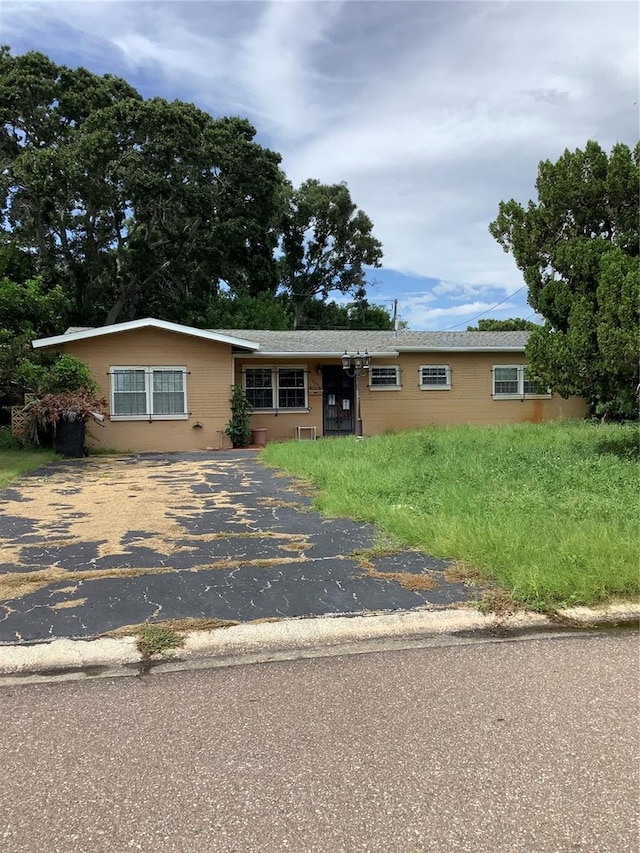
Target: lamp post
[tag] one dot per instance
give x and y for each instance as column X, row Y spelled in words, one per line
column 354, row 366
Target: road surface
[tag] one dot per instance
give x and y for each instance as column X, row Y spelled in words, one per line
column 528, row 745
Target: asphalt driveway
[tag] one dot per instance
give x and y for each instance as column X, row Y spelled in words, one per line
column 89, row 546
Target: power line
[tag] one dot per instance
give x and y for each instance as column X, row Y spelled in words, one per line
column 533, row 314
column 482, row 313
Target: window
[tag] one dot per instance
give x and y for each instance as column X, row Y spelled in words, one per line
column 276, row 388
column 512, row 381
column 435, row 377
column 384, row 378
column 533, row 388
column 148, row 392
column 258, row 387
column 291, row 390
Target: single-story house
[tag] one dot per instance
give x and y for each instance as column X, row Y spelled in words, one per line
column 169, row 386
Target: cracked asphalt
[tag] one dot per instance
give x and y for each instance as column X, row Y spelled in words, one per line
column 89, row 546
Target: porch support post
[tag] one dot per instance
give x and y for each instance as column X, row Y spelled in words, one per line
column 358, row 410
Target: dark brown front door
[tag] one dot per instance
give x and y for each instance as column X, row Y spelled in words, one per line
column 338, row 402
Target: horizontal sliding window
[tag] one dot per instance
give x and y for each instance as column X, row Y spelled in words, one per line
column 148, row 392
column 512, row 380
column 276, row 387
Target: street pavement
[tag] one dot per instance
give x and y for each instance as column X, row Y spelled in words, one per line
column 89, row 546
column 523, row 745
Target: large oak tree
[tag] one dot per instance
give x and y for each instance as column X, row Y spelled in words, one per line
column 138, row 207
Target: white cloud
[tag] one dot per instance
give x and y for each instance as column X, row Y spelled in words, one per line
column 421, row 314
column 432, row 112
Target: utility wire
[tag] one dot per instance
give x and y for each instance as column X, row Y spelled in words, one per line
column 482, row 313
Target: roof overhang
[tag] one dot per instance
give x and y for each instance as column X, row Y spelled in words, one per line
column 148, row 323
column 308, row 354
column 459, row 349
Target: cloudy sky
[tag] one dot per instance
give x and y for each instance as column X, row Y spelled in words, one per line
column 432, row 112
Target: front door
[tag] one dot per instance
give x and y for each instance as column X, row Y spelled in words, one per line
column 338, row 402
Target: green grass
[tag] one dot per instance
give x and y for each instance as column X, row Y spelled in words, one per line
column 157, row 639
column 16, row 460
column 549, row 511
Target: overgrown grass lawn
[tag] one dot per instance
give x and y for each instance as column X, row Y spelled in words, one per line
column 549, row 512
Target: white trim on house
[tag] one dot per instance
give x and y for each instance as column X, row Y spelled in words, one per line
column 275, row 370
column 310, row 354
column 147, row 323
column 393, row 386
column 149, row 371
column 520, row 394
column 459, row 349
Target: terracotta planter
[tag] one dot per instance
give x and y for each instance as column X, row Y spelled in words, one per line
column 259, row 437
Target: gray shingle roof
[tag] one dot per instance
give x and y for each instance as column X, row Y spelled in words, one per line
column 335, row 342
column 332, row 342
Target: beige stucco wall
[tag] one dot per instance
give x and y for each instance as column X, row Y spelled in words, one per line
column 283, row 425
column 211, row 370
column 208, row 388
column 469, row 400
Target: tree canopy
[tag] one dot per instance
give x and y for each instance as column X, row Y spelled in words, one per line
column 133, row 204
column 327, row 241
column 578, row 249
column 135, row 207
column 516, row 324
column 27, row 310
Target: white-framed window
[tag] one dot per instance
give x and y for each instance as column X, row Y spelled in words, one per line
column 435, row 377
column 258, row 386
column 384, row 378
column 510, row 381
column 143, row 393
column 271, row 388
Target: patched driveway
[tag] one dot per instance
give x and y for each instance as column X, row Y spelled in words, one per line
column 89, row 546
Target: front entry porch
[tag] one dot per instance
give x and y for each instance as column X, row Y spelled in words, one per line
column 338, row 409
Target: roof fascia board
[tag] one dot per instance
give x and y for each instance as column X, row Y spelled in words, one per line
column 133, row 325
column 460, row 349
column 308, row 354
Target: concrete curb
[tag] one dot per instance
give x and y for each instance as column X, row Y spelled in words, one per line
column 66, row 659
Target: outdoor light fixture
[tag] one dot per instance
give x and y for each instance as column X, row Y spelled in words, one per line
column 354, row 366
column 354, row 363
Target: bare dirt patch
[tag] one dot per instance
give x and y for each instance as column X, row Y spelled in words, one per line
column 70, row 603
column 416, row 583
column 98, row 507
column 461, row 573
column 117, row 505
column 106, row 498
column 409, row 580
column 18, row 584
column 177, row 625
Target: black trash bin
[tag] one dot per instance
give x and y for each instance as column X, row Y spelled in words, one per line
column 69, row 438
